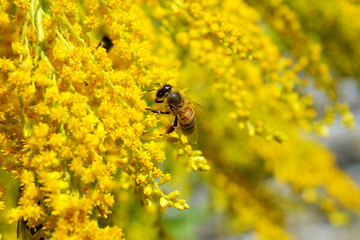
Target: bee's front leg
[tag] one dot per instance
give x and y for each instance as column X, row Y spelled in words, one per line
column 157, row 111
column 172, row 128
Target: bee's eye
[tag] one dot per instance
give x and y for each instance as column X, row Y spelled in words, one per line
column 167, row 87
column 160, row 94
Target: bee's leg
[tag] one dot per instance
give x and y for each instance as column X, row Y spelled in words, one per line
column 157, row 111
column 172, row 128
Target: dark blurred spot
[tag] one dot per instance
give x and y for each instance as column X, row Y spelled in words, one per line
column 106, row 43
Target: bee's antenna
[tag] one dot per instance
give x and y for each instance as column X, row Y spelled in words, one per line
column 156, row 85
column 150, row 90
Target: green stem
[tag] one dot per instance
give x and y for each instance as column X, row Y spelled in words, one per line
column 22, row 114
column 68, row 24
column 23, row 36
column 40, row 32
column 62, row 38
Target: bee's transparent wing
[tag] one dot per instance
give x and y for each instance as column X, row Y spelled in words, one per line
column 201, row 114
column 22, row 232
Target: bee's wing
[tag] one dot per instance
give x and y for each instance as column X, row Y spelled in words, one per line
column 202, row 114
column 22, row 232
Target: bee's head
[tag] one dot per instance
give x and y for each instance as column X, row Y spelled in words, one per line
column 162, row 93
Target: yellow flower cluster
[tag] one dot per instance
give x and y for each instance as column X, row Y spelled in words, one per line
column 73, row 117
column 262, row 97
column 339, row 17
column 92, row 161
column 309, row 52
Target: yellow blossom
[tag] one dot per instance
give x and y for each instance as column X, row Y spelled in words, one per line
column 91, row 21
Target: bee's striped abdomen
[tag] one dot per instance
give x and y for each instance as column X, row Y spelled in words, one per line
column 187, row 120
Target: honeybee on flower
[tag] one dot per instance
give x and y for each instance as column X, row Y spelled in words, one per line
column 185, row 110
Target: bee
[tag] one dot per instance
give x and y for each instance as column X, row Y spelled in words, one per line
column 184, row 109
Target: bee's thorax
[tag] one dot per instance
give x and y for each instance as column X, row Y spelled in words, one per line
column 175, row 99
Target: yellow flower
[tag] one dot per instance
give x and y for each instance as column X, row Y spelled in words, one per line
column 59, row 113
column 27, row 177
column 41, row 130
column 4, row 19
column 91, row 22
column 6, row 65
column 57, row 140
column 22, row 4
column 182, row 38
column 71, row 7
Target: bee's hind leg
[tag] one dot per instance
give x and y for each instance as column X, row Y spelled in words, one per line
column 172, row 128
